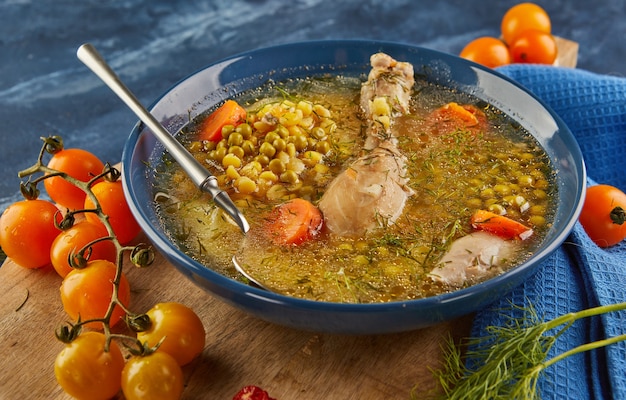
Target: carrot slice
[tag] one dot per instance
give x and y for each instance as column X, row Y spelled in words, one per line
column 500, row 225
column 294, row 222
column 229, row 113
column 465, row 114
column 453, row 116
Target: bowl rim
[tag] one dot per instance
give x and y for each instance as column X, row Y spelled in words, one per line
column 177, row 257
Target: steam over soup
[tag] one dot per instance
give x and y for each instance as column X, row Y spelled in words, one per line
column 363, row 191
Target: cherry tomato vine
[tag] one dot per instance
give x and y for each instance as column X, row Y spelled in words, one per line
column 95, row 287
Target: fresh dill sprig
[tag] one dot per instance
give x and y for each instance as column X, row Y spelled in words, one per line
column 508, row 362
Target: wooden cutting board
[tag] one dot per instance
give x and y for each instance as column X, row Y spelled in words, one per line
column 241, row 350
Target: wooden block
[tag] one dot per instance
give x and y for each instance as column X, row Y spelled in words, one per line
column 567, row 55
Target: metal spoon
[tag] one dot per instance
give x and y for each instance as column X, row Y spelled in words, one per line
column 243, row 272
column 198, row 174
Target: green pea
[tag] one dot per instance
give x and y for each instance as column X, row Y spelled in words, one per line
column 323, row 146
column 289, row 177
column 318, row 133
column 311, row 158
column 480, row 158
column 235, row 139
column 301, row 142
column 537, row 210
column 208, row 145
column 262, row 159
column 537, row 174
column 231, row 159
column 361, row 245
column 283, row 132
column 540, row 194
column 525, row 181
column 537, row 220
column 497, row 209
column 474, row 203
column 247, row 146
column 501, row 156
column 222, row 144
column 515, row 188
column 196, row 146
column 277, row 166
column 227, row 130
column 267, row 149
column 268, row 176
column 542, row 184
column 236, row 150
column 245, row 185
column 291, row 150
column 470, row 191
column 279, row 144
column 361, row 260
column 487, row 193
column 490, row 202
column 219, row 154
column 527, row 156
column 245, row 130
column 271, row 137
column 475, row 182
column 502, row 189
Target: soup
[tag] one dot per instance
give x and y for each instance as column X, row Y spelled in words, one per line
column 458, row 156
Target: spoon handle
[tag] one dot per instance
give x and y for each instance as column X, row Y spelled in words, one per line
column 88, row 54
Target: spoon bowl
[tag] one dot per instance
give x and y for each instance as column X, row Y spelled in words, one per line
column 246, row 275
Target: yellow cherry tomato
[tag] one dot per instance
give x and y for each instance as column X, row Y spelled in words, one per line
column 156, row 376
column 488, row 51
column 181, row 327
column 87, row 292
column 522, row 17
column 534, row 47
column 85, row 371
column 27, row 231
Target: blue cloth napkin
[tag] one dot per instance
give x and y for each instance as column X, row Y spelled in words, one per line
column 579, row 274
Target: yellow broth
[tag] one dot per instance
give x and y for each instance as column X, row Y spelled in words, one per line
column 453, row 172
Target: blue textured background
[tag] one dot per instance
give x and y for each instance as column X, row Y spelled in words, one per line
column 152, row 44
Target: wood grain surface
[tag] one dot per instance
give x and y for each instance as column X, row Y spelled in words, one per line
column 241, row 350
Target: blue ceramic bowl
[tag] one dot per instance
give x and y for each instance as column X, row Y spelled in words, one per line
column 226, row 78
